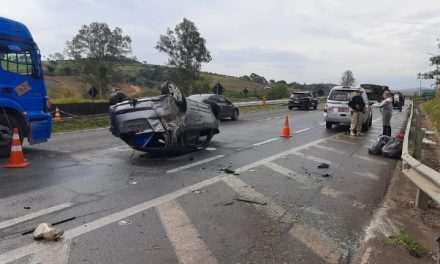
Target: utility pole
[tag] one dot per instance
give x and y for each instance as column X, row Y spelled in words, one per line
column 419, row 76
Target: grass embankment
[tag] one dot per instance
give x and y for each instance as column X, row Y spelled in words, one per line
column 432, row 109
column 99, row 121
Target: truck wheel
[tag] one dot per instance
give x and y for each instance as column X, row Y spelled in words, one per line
column 6, row 134
column 328, row 125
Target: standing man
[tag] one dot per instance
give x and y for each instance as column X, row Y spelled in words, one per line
column 357, row 106
column 386, row 108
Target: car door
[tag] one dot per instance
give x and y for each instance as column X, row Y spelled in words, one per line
column 221, row 102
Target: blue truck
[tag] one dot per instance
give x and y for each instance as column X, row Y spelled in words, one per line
column 24, row 103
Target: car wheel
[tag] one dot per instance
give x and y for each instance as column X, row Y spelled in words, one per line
column 370, row 122
column 328, row 125
column 290, row 107
column 179, row 98
column 315, row 107
column 235, row 115
column 6, row 129
column 307, row 106
column 117, row 97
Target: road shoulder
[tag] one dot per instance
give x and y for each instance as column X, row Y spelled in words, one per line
column 396, row 214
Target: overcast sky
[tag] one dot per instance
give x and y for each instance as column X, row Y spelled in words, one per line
column 381, row 41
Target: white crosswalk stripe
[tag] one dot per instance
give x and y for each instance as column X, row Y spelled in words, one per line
column 288, row 173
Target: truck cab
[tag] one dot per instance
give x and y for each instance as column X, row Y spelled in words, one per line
column 24, row 103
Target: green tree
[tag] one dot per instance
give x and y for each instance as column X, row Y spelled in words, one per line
column 97, row 49
column 434, row 74
column 187, row 51
column 348, row 78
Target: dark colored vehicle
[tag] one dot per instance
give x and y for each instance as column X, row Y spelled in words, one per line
column 166, row 123
column 24, row 103
column 374, row 91
column 221, row 106
column 302, row 100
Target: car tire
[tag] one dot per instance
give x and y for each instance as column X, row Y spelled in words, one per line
column 290, row 107
column 117, row 97
column 235, row 114
column 370, row 122
column 315, row 107
column 328, row 125
column 307, row 106
column 179, row 97
column 5, row 129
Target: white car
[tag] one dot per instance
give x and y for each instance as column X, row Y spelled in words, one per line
column 336, row 110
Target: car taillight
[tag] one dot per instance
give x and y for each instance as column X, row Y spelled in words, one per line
column 325, row 108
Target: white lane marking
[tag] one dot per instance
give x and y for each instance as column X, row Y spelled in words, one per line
column 195, row 164
column 106, row 220
column 336, row 194
column 310, row 157
column 280, row 155
column 343, row 141
column 302, row 130
column 53, row 253
column 318, row 243
column 322, row 124
column 370, row 159
column 368, row 175
column 33, row 215
column 341, row 152
column 271, row 209
column 264, row 142
column 288, row 173
column 188, row 245
column 269, row 118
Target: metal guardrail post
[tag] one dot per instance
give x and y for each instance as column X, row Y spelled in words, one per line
column 421, row 197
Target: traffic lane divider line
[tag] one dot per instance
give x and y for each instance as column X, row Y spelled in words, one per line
column 313, row 158
column 184, row 237
column 338, row 195
column 288, row 173
column 302, row 130
column 265, row 142
column 341, row 152
column 33, row 215
column 322, row 246
column 193, row 164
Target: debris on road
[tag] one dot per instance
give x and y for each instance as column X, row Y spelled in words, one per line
column 155, row 247
column 323, row 166
column 252, row 170
column 228, row 203
column 47, row 232
column 199, row 191
column 27, row 207
column 133, row 182
column 325, row 175
column 124, row 222
column 250, row 200
column 229, row 171
column 428, row 141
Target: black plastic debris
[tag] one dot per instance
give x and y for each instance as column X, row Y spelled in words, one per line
column 376, row 147
column 27, row 207
column 325, row 175
column 250, row 200
column 323, row 166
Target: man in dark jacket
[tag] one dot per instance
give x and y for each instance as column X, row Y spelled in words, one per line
column 357, row 106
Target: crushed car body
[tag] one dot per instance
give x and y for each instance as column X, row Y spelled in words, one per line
column 165, row 123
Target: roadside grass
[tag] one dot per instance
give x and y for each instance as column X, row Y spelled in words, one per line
column 81, row 123
column 404, row 240
column 432, row 109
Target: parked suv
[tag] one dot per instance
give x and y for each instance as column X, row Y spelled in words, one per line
column 302, row 100
column 336, row 110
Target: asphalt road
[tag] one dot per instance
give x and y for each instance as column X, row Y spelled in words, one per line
column 129, row 207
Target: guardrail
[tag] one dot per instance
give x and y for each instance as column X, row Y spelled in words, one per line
column 269, row 102
column 425, row 178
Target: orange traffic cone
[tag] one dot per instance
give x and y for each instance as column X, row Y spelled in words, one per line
column 57, row 115
column 285, row 132
column 16, row 160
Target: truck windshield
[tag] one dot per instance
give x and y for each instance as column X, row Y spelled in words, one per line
column 340, row 95
column 16, row 59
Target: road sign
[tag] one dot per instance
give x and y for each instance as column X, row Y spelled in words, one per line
column 93, row 92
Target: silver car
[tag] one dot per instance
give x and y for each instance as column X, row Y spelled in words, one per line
column 336, row 110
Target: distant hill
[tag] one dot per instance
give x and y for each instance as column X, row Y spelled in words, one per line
column 138, row 79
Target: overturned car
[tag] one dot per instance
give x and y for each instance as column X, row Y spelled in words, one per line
column 165, row 123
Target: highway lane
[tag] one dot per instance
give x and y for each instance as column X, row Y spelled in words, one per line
column 96, row 178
